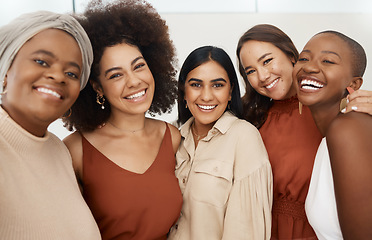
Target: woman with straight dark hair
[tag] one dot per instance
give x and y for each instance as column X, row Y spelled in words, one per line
column 222, row 165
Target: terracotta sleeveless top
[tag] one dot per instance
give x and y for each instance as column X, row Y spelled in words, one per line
column 291, row 141
column 128, row 205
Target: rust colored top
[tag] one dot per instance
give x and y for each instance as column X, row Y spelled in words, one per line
column 291, row 141
column 128, row 205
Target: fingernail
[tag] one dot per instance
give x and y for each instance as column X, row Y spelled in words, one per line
column 350, row 90
column 354, row 108
column 343, row 110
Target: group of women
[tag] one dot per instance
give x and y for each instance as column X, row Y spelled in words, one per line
column 238, row 168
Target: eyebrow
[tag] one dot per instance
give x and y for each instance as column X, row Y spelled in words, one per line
column 50, row 54
column 214, row 80
column 120, row 68
column 258, row 60
column 324, row 51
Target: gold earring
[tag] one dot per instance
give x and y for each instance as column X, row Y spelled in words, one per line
column 4, row 91
column 300, row 107
column 69, row 114
column 101, row 101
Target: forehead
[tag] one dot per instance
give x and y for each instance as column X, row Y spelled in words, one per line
column 208, row 71
column 328, row 42
column 56, row 41
column 119, row 52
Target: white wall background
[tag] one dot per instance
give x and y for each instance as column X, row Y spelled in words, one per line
column 193, row 23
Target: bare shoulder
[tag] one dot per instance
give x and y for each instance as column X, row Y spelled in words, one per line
column 74, row 144
column 176, row 137
column 353, row 126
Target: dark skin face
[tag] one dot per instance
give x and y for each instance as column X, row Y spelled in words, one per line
column 43, row 80
column 322, row 75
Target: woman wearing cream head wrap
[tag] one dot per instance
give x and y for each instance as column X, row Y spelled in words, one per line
column 43, row 56
column 21, row 29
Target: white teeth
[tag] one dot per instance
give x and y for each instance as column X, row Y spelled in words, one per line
column 137, row 95
column 310, row 84
column 48, row 91
column 207, row 107
column 272, row 84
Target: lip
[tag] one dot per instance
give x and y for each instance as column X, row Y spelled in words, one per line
column 51, row 92
column 309, row 83
column 272, row 84
column 137, row 95
column 207, row 107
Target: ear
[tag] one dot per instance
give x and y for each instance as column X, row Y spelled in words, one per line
column 356, row 83
column 97, row 87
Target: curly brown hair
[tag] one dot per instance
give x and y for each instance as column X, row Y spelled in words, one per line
column 137, row 23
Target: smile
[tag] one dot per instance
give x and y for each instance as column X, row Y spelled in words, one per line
column 272, row 84
column 136, row 95
column 310, row 84
column 207, row 107
column 49, row 91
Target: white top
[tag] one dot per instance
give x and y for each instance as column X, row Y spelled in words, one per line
column 320, row 204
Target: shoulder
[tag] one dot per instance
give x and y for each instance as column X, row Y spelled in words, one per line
column 175, row 133
column 71, row 140
column 349, row 125
column 244, row 129
column 350, row 134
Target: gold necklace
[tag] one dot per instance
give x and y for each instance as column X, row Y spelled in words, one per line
column 124, row 130
column 198, row 137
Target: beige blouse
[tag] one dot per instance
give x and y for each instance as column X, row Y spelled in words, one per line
column 226, row 183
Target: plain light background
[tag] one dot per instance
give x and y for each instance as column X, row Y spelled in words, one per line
column 194, row 23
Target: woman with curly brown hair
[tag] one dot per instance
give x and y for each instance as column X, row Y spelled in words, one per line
column 124, row 160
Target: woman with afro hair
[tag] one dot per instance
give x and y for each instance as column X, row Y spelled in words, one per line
column 124, row 160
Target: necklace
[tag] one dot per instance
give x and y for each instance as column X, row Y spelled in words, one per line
column 198, row 137
column 125, row 130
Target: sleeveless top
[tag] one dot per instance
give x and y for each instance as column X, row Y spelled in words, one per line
column 320, row 203
column 128, row 205
column 291, row 140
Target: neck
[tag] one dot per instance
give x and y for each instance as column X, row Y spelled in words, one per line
column 128, row 124
column 36, row 128
column 323, row 116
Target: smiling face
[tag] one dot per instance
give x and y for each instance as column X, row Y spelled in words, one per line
column 207, row 93
column 268, row 69
column 126, row 80
column 43, row 80
column 323, row 71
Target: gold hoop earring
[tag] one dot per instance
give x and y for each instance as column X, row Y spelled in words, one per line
column 4, row 91
column 101, row 101
column 69, row 114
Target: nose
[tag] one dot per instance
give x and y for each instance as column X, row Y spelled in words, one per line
column 206, row 94
column 132, row 80
column 56, row 73
column 263, row 74
column 310, row 66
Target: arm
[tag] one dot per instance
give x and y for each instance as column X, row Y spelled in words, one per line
column 248, row 213
column 74, row 145
column 349, row 144
column 360, row 101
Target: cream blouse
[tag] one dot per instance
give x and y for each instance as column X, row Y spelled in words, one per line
column 226, row 183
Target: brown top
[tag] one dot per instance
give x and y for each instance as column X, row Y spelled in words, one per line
column 128, row 205
column 291, row 141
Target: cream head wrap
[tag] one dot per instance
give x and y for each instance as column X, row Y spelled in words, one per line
column 21, row 29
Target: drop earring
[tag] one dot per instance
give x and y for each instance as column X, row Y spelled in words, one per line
column 101, row 101
column 300, row 107
column 345, row 100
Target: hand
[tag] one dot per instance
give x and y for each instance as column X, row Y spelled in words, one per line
column 360, row 101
